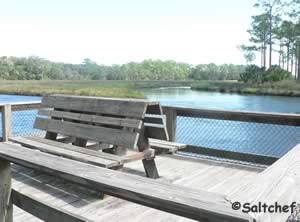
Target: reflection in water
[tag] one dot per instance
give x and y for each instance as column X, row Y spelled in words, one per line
column 265, row 139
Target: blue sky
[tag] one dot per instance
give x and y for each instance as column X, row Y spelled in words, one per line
column 115, row 31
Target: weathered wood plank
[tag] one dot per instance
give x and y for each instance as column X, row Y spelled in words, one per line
column 149, row 165
column 243, row 116
column 112, row 106
column 154, row 119
column 6, row 209
column 89, row 132
column 41, row 142
column 154, row 109
column 67, row 153
column 43, row 210
column 162, row 146
column 164, row 142
column 74, row 148
column 231, row 155
column 133, row 155
column 114, row 121
column 278, row 183
column 171, row 117
column 156, row 131
column 6, row 122
column 194, row 204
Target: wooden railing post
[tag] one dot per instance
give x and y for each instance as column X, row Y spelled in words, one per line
column 6, row 122
column 6, row 208
column 171, row 117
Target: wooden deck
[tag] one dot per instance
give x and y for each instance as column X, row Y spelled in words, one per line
column 215, row 176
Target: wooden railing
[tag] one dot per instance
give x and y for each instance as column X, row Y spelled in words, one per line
column 283, row 119
column 172, row 112
column 6, row 111
column 244, row 116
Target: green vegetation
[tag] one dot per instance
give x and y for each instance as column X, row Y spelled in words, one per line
column 283, row 88
column 35, row 68
column 275, row 29
column 255, row 74
column 116, row 88
column 134, row 89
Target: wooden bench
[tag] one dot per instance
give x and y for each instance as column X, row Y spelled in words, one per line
column 179, row 200
column 117, row 125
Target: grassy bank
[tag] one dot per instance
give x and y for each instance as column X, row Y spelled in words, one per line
column 133, row 89
column 284, row 88
column 114, row 88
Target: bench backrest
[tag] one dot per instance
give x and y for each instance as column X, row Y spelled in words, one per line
column 107, row 120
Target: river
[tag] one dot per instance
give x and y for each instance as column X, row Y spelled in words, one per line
column 184, row 96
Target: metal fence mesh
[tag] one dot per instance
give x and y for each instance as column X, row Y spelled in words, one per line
column 238, row 136
column 266, row 139
column 23, row 118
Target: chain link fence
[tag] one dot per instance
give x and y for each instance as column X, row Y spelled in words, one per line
column 246, row 137
column 224, row 134
column 23, row 117
column 260, row 138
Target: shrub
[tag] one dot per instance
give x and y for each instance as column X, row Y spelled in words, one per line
column 276, row 74
column 252, row 74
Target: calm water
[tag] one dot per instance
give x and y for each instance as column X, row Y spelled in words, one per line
column 263, row 139
column 14, row 98
column 215, row 100
column 22, row 121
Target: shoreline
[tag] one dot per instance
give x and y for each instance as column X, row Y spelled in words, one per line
column 285, row 88
column 134, row 89
column 241, row 92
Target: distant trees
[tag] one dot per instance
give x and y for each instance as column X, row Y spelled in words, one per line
column 35, row 68
column 214, row 72
column 277, row 28
column 255, row 74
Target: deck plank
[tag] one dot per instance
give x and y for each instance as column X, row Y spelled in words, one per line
column 177, row 169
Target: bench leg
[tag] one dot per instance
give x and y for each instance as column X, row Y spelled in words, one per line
column 150, row 168
column 6, row 208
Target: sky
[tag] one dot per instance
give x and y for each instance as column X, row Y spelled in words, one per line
column 121, row 31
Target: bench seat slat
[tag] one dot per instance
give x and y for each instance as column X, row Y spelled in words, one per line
column 132, row 123
column 89, row 132
column 149, row 153
column 67, row 153
column 177, row 145
column 194, row 204
column 74, row 148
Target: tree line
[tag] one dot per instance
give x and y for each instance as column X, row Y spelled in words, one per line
column 35, row 68
column 276, row 28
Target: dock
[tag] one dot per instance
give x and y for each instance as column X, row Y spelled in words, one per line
column 226, row 153
column 202, row 174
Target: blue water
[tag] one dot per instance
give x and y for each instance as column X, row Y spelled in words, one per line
column 22, row 121
column 14, row 98
column 264, row 139
column 216, row 100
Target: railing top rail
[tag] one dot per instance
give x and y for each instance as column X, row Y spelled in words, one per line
column 34, row 102
column 244, row 116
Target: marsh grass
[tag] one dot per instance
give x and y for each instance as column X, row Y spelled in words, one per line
column 283, row 88
column 114, row 88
